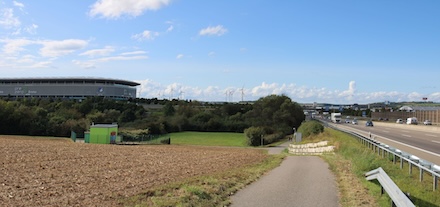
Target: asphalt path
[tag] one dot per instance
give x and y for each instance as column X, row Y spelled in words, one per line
column 299, row 181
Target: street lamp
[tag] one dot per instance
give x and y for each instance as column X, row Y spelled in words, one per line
column 294, row 133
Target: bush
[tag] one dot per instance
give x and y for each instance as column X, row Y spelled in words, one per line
column 253, row 135
column 165, row 141
column 271, row 138
column 311, row 128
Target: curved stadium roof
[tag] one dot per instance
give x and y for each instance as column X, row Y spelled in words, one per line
column 73, row 79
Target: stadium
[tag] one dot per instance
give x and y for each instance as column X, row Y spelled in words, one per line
column 70, row 88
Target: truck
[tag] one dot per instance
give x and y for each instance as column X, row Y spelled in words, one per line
column 411, row 120
column 336, row 117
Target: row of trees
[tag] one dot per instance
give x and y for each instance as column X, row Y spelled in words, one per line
column 48, row 117
column 274, row 114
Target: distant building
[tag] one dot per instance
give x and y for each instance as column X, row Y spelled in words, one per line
column 72, row 88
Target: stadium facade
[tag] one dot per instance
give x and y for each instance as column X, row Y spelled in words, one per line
column 72, row 88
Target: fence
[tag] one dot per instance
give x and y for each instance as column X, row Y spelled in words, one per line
column 385, row 150
column 145, row 139
column 433, row 115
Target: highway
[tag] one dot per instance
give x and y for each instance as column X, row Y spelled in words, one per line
column 421, row 141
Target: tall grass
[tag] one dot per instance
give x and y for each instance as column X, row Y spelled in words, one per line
column 359, row 160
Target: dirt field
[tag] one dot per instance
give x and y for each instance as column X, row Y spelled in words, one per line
column 54, row 172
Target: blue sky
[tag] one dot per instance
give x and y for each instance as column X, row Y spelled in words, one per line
column 337, row 51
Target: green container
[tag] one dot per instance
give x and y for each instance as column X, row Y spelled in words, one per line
column 103, row 133
column 87, row 137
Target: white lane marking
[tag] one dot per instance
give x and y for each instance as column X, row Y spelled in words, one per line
column 405, row 135
column 431, row 135
column 407, row 145
column 386, row 131
column 401, row 143
column 436, row 141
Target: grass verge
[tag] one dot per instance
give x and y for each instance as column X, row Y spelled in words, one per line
column 212, row 190
column 352, row 160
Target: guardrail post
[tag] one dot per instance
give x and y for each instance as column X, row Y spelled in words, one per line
column 410, row 167
column 401, row 163
column 394, row 159
column 435, row 182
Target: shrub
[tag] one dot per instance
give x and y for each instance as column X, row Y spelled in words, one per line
column 311, row 128
column 271, row 138
column 165, row 141
column 253, row 135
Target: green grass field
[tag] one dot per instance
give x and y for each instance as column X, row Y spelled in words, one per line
column 209, row 139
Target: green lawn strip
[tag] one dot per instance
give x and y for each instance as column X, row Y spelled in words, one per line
column 209, row 139
column 360, row 160
column 210, row 190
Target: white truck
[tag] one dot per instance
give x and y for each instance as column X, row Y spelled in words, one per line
column 336, row 117
column 411, row 120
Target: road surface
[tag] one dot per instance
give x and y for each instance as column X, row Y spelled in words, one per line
column 299, row 181
column 419, row 141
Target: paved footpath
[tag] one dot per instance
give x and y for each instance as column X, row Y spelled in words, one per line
column 300, row 181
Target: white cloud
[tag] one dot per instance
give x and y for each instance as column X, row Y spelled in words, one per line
column 301, row 94
column 179, row 56
column 7, row 19
column 15, row 46
column 211, row 54
column 114, row 9
column 145, row 35
column 139, row 52
column 26, row 59
column 264, row 89
column 217, row 30
column 61, row 48
column 44, row 64
column 349, row 94
column 18, row 4
column 86, row 65
column 107, row 59
column 98, row 52
column 31, row 29
column 93, row 62
column 170, row 28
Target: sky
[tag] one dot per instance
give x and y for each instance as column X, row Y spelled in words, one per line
column 339, row 51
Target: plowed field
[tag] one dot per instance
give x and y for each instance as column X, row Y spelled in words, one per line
column 58, row 172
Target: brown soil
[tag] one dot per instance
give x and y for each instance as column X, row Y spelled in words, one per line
column 58, row 172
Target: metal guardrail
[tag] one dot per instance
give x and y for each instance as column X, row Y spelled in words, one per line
column 398, row 197
column 412, row 160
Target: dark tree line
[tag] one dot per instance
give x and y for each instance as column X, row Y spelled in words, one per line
column 56, row 117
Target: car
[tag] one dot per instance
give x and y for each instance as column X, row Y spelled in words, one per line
column 355, row 121
column 347, row 121
column 369, row 123
column 427, row 122
column 399, row 121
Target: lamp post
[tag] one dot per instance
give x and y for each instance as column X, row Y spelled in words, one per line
column 294, row 133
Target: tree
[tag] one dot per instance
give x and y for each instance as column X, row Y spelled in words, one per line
column 277, row 113
column 168, row 109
